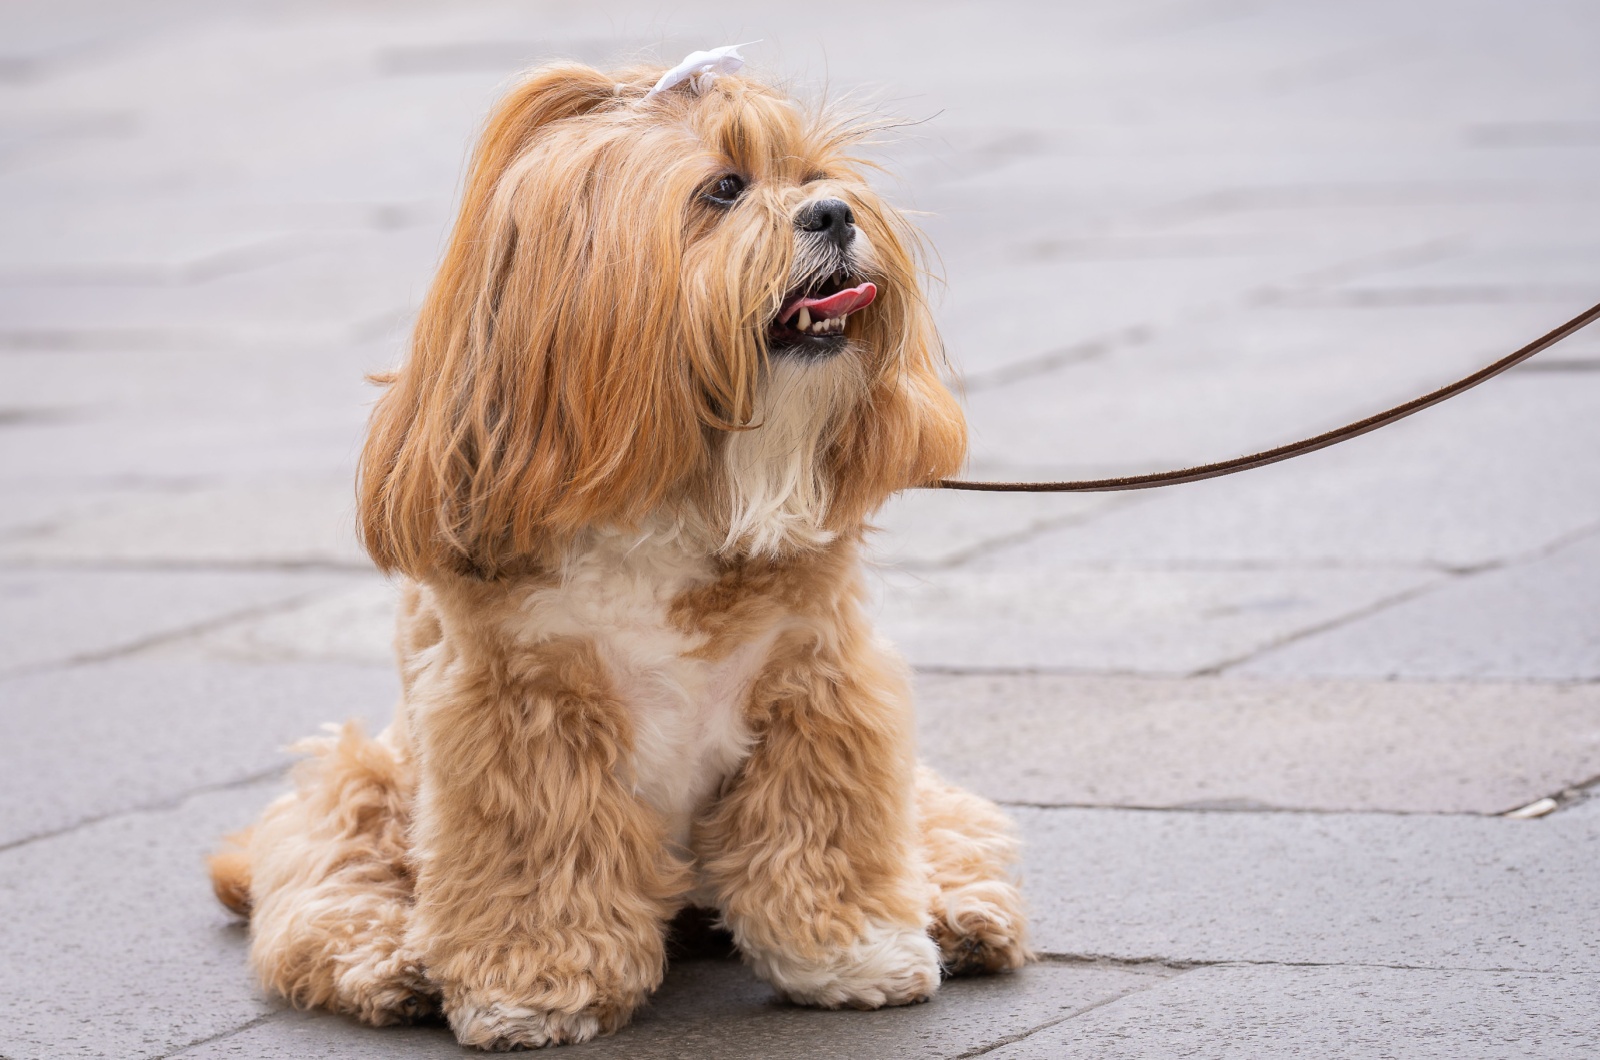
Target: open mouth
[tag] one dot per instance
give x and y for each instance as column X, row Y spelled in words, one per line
column 812, row 320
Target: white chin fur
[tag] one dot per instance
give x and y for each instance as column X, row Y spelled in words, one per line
column 776, row 486
column 889, row 965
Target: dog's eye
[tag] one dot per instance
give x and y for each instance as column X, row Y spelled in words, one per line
column 726, row 190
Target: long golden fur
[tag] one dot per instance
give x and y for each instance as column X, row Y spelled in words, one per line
column 637, row 670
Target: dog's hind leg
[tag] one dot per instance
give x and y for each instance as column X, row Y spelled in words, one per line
column 329, row 888
column 970, row 848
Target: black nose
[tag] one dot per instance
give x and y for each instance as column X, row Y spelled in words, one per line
column 831, row 218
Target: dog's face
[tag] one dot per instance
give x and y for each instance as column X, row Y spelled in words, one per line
column 689, row 306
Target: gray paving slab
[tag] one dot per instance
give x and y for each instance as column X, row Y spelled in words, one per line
column 1488, row 480
column 269, row 523
column 110, row 737
column 183, row 438
column 114, row 945
column 1506, row 268
column 277, row 289
column 205, row 384
column 1352, row 1013
column 48, row 616
column 44, row 504
column 709, row 1008
column 354, row 625
column 998, row 316
column 1242, row 744
column 1489, row 894
column 939, row 528
column 990, row 614
column 1260, row 378
column 1538, row 619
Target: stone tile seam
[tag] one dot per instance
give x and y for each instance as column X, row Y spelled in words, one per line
column 1407, row 255
column 1183, row 566
column 1548, row 549
column 1571, row 795
column 221, row 1036
column 246, row 257
column 935, row 670
column 1076, row 353
column 1567, row 797
column 1178, row 964
column 1156, row 980
column 255, row 336
column 1435, row 295
column 1094, row 349
column 162, row 805
column 170, row 566
column 990, row 545
column 1529, row 555
column 1382, row 194
column 1308, row 811
column 167, row 636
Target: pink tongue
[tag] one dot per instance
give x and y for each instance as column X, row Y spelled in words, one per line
column 836, row 305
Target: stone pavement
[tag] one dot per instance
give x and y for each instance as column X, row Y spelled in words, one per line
column 1261, row 734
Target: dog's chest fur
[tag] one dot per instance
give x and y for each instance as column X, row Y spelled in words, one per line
column 686, row 706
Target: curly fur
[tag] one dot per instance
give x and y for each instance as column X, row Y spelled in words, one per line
column 638, row 674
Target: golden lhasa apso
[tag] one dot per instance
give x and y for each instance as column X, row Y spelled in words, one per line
column 676, row 355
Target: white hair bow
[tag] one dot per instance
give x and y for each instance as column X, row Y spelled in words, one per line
column 724, row 60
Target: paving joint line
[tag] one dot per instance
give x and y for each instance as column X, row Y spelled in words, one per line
column 1218, row 669
column 218, row 1037
column 1092, row 349
column 177, row 566
column 1012, row 1039
column 1544, row 551
column 167, row 637
column 990, row 545
column 171, row 802
column 942, row 670
column 1267, row 294
column 1244, row 809
column 1550, row 805
column 1098, row 960
column 1205, row 565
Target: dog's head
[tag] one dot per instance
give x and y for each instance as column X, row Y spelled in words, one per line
column 687, row 306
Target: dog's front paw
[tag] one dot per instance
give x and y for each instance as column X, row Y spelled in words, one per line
column 980, row 929
column 888, row 965
column 384, row 990
column 500, row 1027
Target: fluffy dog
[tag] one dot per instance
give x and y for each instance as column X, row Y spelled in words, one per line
column 676, row 355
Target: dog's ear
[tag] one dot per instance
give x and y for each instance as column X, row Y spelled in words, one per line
column 448, row 467
column 909, row 430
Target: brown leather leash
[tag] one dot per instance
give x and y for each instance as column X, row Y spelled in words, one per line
column 1293, row 449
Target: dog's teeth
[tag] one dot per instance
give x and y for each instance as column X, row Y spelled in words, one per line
column 803, row 321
